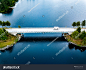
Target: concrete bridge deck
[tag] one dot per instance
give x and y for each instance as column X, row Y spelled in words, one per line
column 41, row 30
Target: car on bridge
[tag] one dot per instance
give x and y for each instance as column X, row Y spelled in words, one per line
column 56, row 28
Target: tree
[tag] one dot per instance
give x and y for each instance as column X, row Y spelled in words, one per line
column 83, row 23
column 82, row 35
column 74, row 34
column 79, row 29
column 4, row 23
column 84, row 40
column 19, row 26
column 0, row 23
column 78, row 23
column 5, row 4
column 74, row 24
column 8, row 23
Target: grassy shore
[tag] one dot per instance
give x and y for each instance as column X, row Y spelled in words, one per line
column 78, row 42
column 11, row 39
column 6, row 38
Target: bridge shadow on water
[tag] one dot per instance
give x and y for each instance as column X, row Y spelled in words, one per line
column 36, row 39
column 42, row 39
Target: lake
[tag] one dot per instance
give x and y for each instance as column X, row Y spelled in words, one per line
column 47, row 48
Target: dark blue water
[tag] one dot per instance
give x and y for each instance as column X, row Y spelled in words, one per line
column 43, row 48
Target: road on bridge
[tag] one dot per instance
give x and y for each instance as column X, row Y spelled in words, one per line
column 41, row 30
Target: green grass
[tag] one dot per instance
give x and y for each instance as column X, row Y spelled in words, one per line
column 79, row 42
column 11, row 39
column 7, row 39
column 79, row 45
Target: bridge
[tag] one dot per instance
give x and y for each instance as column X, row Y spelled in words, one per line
column 14, row 31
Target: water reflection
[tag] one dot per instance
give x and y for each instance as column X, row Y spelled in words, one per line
column 9, row 49
column 2, row 51
column 71, row 46
column 9, row 14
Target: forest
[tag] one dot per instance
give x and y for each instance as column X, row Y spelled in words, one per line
column 6, row 4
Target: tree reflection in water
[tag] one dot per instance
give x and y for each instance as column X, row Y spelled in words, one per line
column 71, row 46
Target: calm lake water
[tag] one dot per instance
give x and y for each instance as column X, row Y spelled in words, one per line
column 44, row 48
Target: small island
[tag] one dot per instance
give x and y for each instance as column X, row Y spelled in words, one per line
column 78, row 37
column 6, row 4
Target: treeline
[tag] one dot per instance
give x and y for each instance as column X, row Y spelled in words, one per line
column 78, row 35
column 78, row 23
column 5, row 4
column 3, row 34
column 7, row 23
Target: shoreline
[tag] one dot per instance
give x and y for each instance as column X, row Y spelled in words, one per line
column 74, row 43
column 9, row 8
column 8, row 46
